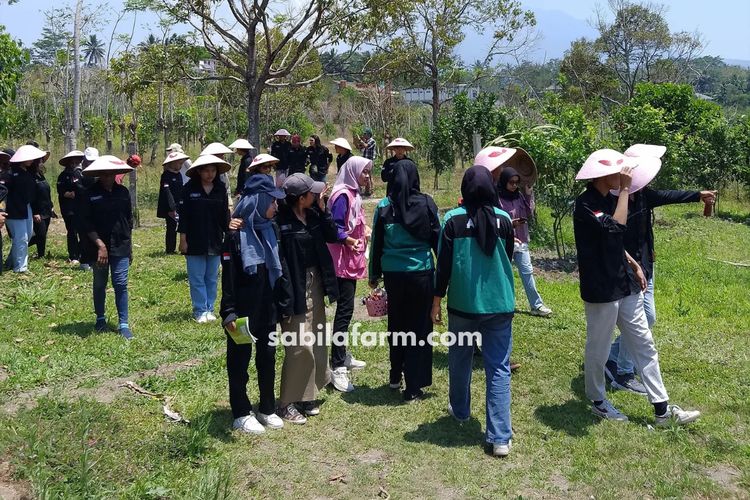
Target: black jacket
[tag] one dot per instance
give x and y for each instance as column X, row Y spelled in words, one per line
column 341, row 159
column 44, row 197
column 245, row 162
column 204, row 218
column 67, row 181
column 248, row 296
column 297, row 160
column 320, row 158
column 110, row 215
column 323, row 230
column 21, row 192
column 169, row 193
column 281, row 151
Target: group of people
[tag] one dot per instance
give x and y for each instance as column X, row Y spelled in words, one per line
column 287, row 245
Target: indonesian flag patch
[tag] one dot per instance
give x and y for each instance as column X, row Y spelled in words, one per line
column 598, row 214
column 225, row 256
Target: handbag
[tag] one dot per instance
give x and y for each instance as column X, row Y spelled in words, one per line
column 376, row 303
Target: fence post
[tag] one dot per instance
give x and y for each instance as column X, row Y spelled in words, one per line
column 134, row 188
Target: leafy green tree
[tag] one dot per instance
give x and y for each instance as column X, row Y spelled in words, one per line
column 12, row 60
column 93, row 51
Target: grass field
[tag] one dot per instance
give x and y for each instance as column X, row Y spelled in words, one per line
column 69, row 429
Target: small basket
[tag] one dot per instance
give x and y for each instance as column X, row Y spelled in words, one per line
column 376, row 303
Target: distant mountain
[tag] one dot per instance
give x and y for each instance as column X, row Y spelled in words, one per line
column 737, row 62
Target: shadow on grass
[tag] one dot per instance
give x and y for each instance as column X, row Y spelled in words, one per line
column 373, row 396
column 573, row 417
column 180, row 276
column 180, row 315
column 447, row 432
column 81, row 329
column 219, row 424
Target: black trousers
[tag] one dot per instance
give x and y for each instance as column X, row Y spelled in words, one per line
column 40, row 236
column 170, row 238
column 73, row 241
column 238, row 361
column 342, row 319
column 409, row 306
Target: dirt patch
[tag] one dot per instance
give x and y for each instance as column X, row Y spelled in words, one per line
column 372, row 457
column 3, row 374
column 559, row 481
column 102, row 393
column 11, row 489
column 552, row 268
column 727, row 476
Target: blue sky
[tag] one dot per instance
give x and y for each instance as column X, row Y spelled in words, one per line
column 725, row 24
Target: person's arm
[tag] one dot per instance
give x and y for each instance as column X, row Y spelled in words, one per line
column 329, row 228
column 637, row 271
column 228, row 297
column 171, row 205
column 434, row 224
column 338, row 213
column 528, row 201
column 656, row 198
column 283, row 292
column 443, row 270
column 507, row 233
column 376, row 249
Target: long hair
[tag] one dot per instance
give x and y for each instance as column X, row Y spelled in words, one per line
column 317, row 141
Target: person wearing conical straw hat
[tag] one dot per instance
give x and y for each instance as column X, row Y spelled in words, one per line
column 45, row 210
column 343, row 152
column 243, row 148
column 203, row 217
column 170, row 191
column 106, row 219
column 280, row 149
column 21, row 202
column 399, row 147
column 261, row 164
column 177, row 148
column 67, row 187
column 218, row 150
column 639, row 243
column 612, row 285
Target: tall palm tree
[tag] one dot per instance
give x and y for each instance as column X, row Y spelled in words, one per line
column 93, row 51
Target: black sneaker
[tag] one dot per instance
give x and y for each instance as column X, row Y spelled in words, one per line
column 309, row 408
column 610, row 370
column 413, row 397
column 628, row 382
column 101, row 325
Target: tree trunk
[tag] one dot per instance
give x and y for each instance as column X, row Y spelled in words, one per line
column 76, row 75
column 253, row 118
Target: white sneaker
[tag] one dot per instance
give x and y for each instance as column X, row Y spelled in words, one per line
column 542, row 311
column 74, row 262
column 678, row 416
column 248, row 424
column 609, row 412
column 85, row 267
column 201, row 318
column 271, row 421
column 501, row 450
column 353, row 364
column 210, row 316
column 340, row 380
column 450, row 412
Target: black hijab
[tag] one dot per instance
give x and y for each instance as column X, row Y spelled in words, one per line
column 502, row 185
column 410, row 206
column 480, row 200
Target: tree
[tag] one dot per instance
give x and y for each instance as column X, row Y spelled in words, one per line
column 639, row 46
column 268, row 44
column 12, row 60
column 72, row 135
column 424, row 34
column 93, row 51
column 585, row 77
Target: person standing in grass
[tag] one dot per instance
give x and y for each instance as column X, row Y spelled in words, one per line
column 368, row 147
column 405, row 232
column 203, row 217
column 612, row 285
column 170, row 192
column 280, row 149
column 473, row 268
column 520, row 207
column 297, row 156
column 243, row 148
column 343, row 152
column 67, row 183
column 639, row 243
column 106, row 218
column 348, row 253
column 400, row 147
column 3, row 195
column 45, row 210
column 319, row 157
column 306, row 227
column 254, row 285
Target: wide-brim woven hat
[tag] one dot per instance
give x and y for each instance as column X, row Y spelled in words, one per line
column 604, row 162
column 241, row 144
column 222, row 167
column 29, row 153
column 492, row 157
column 107, row 164
column 175, row 156
column 74, row 155
column 341, row 142
column 216, row 148
column 400, row 142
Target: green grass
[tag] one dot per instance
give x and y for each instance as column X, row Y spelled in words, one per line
column 88, row 438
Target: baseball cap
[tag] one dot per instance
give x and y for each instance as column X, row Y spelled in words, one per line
column 299, row 184
column 91, row 154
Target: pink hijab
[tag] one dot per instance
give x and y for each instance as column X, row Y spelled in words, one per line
column 348, row 179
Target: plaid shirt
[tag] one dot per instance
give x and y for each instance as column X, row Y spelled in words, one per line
column 369, row 149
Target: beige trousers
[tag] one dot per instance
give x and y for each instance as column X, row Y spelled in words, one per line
column 305, row 370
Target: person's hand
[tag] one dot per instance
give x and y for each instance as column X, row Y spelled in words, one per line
column 69, row 194
column 183, row 246
column 231, row 327
column 708, row 197
column 640, row 277
column 236, row 224
column 172, row 214
column 626, row 178
column 519, row 242
column 437, row 313
column 37, row 218
column 353, row 243
column 102, row 256
column 518, row 222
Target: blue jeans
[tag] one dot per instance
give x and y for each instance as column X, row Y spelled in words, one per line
column 522, row 258
column 118, row 266
column 21, row 230
column 617, row 352
column 203, row 274
column 496, row 335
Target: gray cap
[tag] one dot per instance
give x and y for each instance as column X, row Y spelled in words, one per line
column 299, row 184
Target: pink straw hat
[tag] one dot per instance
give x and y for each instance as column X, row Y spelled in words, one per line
column 175, row 156
column 649, row 163
column 602, row 163
column 263, row 158
column 492, row 157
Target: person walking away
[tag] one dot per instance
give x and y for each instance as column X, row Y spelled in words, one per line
column 319, row 157
column 280, row 149
column 612, row 285
column 349, row 260
column 67, row 183
column 399, row 147
column 405, row 232
column 520, row 207
column 343, row 152
column 473, row 268
column 106, row 218
column 45, row 210
column 203, row 217
column 297, row 156
column 254, row 288
column 170, row 192
column 306, row 227
column 21, row 203
column 639, row 243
